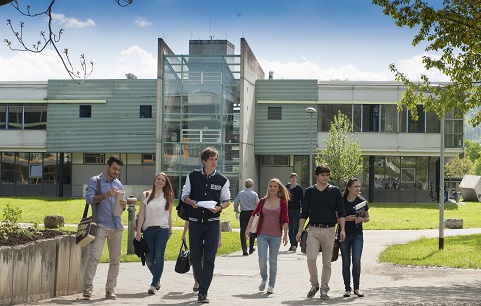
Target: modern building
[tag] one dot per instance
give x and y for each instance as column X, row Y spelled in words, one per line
column 55, row 135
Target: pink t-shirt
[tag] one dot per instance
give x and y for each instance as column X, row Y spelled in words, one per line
column 271, row 224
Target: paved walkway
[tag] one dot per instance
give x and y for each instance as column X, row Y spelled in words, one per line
column 236, row 279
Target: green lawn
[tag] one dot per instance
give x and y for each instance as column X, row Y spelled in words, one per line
column 459, row 252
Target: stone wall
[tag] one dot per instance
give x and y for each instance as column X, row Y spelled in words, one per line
column 41, row 270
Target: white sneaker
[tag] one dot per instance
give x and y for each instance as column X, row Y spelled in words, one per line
column 262, row 286
column 270, row 290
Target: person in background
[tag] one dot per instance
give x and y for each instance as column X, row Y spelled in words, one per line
column 352, row 245
column 321, row 203
column 155, row 219
column 272, row 224
column 296, row 196
column 248, row 200
column 204, row 223
column 109, row 226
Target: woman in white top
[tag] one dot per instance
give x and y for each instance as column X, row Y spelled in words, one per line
column 155, row 219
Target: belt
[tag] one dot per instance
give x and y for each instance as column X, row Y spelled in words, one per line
column 322, row 225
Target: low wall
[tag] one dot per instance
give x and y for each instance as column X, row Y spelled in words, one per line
column 41, row 270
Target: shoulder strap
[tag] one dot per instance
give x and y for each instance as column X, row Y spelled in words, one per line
column 94, row 212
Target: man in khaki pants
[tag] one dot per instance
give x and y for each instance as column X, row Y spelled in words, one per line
column 109, row 226
column 321, row 203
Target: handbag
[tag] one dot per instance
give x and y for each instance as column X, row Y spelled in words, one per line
column 335, row 248
column 255, row 220
column 304, row 234
column 182, row 265
column 87, row 227
column 254, row 225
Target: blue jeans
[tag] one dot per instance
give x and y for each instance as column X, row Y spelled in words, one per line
column 294, row 215
column 156, row 239
column 203, row 240
column 354, row 243
column 273, row 243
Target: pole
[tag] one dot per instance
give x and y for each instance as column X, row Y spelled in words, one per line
column 131, row 201
column 441, row 188
column 310, row 155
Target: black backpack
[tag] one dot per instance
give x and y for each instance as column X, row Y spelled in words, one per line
column 183, row 208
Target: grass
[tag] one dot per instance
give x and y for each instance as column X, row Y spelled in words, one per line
column 459, row 251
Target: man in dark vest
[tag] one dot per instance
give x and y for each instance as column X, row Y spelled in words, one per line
column 204, row 220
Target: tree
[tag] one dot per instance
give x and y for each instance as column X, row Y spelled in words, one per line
column 472, row 150
column 343, row 154
column 451, row 30
column 458, row 167
column 50, row 38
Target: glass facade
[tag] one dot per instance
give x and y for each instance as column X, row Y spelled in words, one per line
column 34, row 168
column 201, row 105
column 398, row 172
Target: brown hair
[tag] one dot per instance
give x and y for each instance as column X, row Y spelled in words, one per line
column 168, row 192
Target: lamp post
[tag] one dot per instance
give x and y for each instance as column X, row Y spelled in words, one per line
column 441, row 188
column 311, row 111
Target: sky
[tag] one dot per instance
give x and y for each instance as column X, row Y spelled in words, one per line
column 296, row 39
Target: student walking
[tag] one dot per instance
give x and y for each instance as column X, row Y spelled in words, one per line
column 296, row 196
column 248, row 200
column 321, row 203
column 109, row 226
column 204, row 221
column 155, row 219
column 271, row 229
column 354, row 236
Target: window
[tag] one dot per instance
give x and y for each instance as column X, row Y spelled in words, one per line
column 274, row 113
column 275, row 160
column 329, row 111
column 148, row 159
column 85, row 111
column 15, row 117
column 90, row 158
column 370, row 118
column 35, row 117
column 3, row 117
column 146, row 111
column 389, row 118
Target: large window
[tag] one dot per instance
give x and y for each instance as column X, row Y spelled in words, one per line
column 23, row 117
column 400, row 172
column 370, row 118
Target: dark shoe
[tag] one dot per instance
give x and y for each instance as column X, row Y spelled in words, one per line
column 201, row 298
column 87, row 294
column 358, row 293
column 151, row 290
column 312, row 291
column 347, row 294
column 245, row 253
column 324, row 295
column 290, row 249
column 157, row 287
column 252, row 250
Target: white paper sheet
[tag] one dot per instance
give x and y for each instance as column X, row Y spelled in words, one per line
column 207, row 204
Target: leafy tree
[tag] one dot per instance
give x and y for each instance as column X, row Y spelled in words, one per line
column 343, row 154
column 472, row 150
column 49, row 38
column 451, row 29
column 458, row 167
column 477, row 167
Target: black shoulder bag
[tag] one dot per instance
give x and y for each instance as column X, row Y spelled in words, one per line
column 87, row 227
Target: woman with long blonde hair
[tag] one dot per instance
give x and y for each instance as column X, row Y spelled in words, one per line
column 271, row 229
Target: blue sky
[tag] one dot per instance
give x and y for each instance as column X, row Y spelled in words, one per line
column 319, row 39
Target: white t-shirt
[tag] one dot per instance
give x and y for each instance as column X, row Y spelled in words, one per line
column 155, row 213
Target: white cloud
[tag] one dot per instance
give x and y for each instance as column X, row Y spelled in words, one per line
column 137, row 61
column 27, row 66
column 142, row 22
column 413, row 68
column 72, row 22
column 307, row 69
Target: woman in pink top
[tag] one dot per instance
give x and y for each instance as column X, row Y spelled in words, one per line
column 273, row 220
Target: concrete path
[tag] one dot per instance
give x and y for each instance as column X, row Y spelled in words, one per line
column 236, row 279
